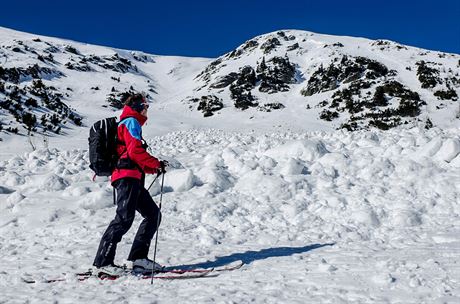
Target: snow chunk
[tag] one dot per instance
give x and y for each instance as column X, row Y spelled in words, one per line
column 15, row 198
column 53, row 182
column 432, row 147
column 293, row 167
column 76, row 191
column 335, row 160
column 180, row 180
column 366, row 216
column 405, row 218
column 449, row 150
column 383, row 278
column 97, row 200
column 12, row 179
column 307, row 150
column 267, row 187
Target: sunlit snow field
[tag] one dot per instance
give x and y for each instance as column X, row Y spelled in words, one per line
column 330, row 217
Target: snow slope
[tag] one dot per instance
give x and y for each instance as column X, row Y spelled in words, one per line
column 85, row 76
column 323, row 217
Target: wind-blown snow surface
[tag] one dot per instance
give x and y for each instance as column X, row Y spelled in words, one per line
column 364, row 217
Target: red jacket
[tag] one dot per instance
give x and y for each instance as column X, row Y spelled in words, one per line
column 130, row 146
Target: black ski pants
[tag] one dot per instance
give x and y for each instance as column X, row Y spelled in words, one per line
column 131, row 196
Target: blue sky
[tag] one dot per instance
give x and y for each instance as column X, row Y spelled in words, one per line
column 211, row 28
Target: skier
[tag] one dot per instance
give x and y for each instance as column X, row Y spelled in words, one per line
column 128, row 180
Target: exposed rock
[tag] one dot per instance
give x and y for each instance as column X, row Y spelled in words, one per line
column 141, row 57
column 212, row 68
column 446, row 95
column 396, row 89
column 282, row 35
column 270, row 44
column 209, row 104
column 348, row 70
column 45, row 59
column 328, row 115
column 118, row 64
column 387, row 45
column 240, row 90
column 293, row 47
column 427, row 76
column 234, row 54
column 373, row 111
column 275, row 75
column 268, row 107
column 51, row 49
column 24, row 108
column 16, row 75
column 81, row 66
column 224, row 81
column 251, row 44
column 72, row 50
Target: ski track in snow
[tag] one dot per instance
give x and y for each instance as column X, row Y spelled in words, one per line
column 320, row 217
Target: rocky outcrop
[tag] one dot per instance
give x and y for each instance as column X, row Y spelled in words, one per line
column 374, row 110
column 240, row 89
column 46, row 100
column 428, row 76
column 449, row 94
column 268, row 107
column 275, row 75
column 16, row 75
column 224, row 81
column 345, row 71
column 208, row 104
column 270, row 44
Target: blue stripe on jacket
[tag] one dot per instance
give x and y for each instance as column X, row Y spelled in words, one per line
column 133, row 127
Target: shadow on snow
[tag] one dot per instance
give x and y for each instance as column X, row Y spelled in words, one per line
column 250, row 256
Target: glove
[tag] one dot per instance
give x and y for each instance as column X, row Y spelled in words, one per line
column 144, row 144
column 163, row 165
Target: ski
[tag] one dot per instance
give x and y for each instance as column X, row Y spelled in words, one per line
column 104, row 276
column 178, row 270
column 229, row 267
column 168, row 273
column 161, row 276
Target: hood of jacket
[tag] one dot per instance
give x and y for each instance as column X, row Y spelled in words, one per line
column 129, row 112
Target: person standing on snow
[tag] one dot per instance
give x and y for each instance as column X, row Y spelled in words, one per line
column 128, row 180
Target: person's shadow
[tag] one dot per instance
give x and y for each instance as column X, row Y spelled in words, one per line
column 250, row 256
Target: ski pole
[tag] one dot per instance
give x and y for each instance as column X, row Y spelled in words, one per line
column 156, row 177
column 158, row 227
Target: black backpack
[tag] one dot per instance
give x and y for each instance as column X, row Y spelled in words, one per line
column 103, row 146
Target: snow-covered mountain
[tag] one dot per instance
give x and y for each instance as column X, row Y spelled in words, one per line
column 258, row 171
column 47, row 84
column 291, row 78
column 352, row 82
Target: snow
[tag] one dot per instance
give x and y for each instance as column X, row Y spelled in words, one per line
column 331, row 217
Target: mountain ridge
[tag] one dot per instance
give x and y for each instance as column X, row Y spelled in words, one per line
column 283, row 77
